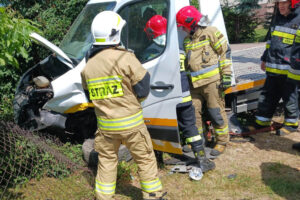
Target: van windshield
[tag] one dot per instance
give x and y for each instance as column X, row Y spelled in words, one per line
column 79, row 39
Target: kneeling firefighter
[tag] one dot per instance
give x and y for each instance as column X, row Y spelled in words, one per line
column 116, row 82
column 208, row 57
column 156, row 29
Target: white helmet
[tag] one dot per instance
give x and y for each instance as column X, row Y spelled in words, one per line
column 107, row 27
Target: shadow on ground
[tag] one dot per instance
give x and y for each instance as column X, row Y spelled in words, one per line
column 270, row 141
column 130, row 191
column 281, row 179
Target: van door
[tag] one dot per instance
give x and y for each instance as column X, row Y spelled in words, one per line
column 159, row 108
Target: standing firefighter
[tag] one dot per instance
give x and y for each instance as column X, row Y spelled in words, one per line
column 156, row 29
column 276, row 63
column 208, row 57
column 294, row 72
column 116, row 83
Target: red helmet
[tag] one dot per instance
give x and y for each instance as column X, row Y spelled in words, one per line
column 295, row 3
column 156, row 26
column 188, row 17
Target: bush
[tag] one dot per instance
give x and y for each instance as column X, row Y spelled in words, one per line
column 240, row 21
column 14, row 46
column 54, row 16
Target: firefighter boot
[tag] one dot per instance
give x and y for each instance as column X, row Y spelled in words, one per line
column 219, row 148
column 204, row 163
column 285, row 130
column 158, row 195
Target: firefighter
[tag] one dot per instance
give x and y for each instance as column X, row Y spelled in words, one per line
column 116, row 82
column 156, row 29
column 209, row 63
column 294, row 72
column 276, row 63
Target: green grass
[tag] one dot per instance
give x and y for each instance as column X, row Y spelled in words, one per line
column 261, row 173
column 260, row 34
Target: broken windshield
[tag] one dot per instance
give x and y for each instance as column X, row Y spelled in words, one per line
column 79, row 39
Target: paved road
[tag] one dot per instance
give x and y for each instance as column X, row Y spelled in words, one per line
column 246, row 61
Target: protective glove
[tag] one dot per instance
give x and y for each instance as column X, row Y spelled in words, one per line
column 226, row 81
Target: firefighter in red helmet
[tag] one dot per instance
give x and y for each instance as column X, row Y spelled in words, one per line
column 209, row 63
column 156, row 29
column 294, row 72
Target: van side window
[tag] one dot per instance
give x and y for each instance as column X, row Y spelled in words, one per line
column 133, row 36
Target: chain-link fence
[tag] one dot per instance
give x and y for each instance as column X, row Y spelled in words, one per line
column 32, row 166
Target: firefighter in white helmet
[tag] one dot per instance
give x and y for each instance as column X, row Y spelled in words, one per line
column 277, row 64
column 116, row 83
column 209, row 64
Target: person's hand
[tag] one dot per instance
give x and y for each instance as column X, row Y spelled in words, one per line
column 263, row 66
column 226, row 81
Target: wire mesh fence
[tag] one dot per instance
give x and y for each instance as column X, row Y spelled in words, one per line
column 33, row 167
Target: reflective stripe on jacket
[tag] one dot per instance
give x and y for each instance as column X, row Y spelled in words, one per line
column 294, row 71
column 278, row 47
column 208, row 56
column 185, row 86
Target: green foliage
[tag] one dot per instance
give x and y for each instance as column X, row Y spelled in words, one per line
column 260, row 34
column 240, row 20
column 125, row 171
column 25, row 161
column 14, row 50
column 14, row 37
column 195, row 3
column 54, row 16
column 72, row 151
column 6, row 111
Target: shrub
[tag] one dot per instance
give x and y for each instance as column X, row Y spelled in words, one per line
column 240, row 20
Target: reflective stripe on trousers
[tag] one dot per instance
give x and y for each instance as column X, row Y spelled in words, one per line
column 193, row 139
column 221, row 131
column 105, row 188
column 186, row 96
column 263, row 121
column 291, row 122
column 151, row 186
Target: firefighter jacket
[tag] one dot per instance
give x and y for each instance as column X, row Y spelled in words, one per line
column 278, row 47
column 115, row 81
column 185, row 85
column 208, row 56
column 294, row 71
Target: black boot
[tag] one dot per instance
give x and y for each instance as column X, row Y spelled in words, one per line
column 296, row 146
column 159, row 195
column 204, row 163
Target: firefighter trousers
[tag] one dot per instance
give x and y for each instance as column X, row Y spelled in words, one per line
column 275, row 88
column 187, row 125
column 139, row 143
column 211, row 96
